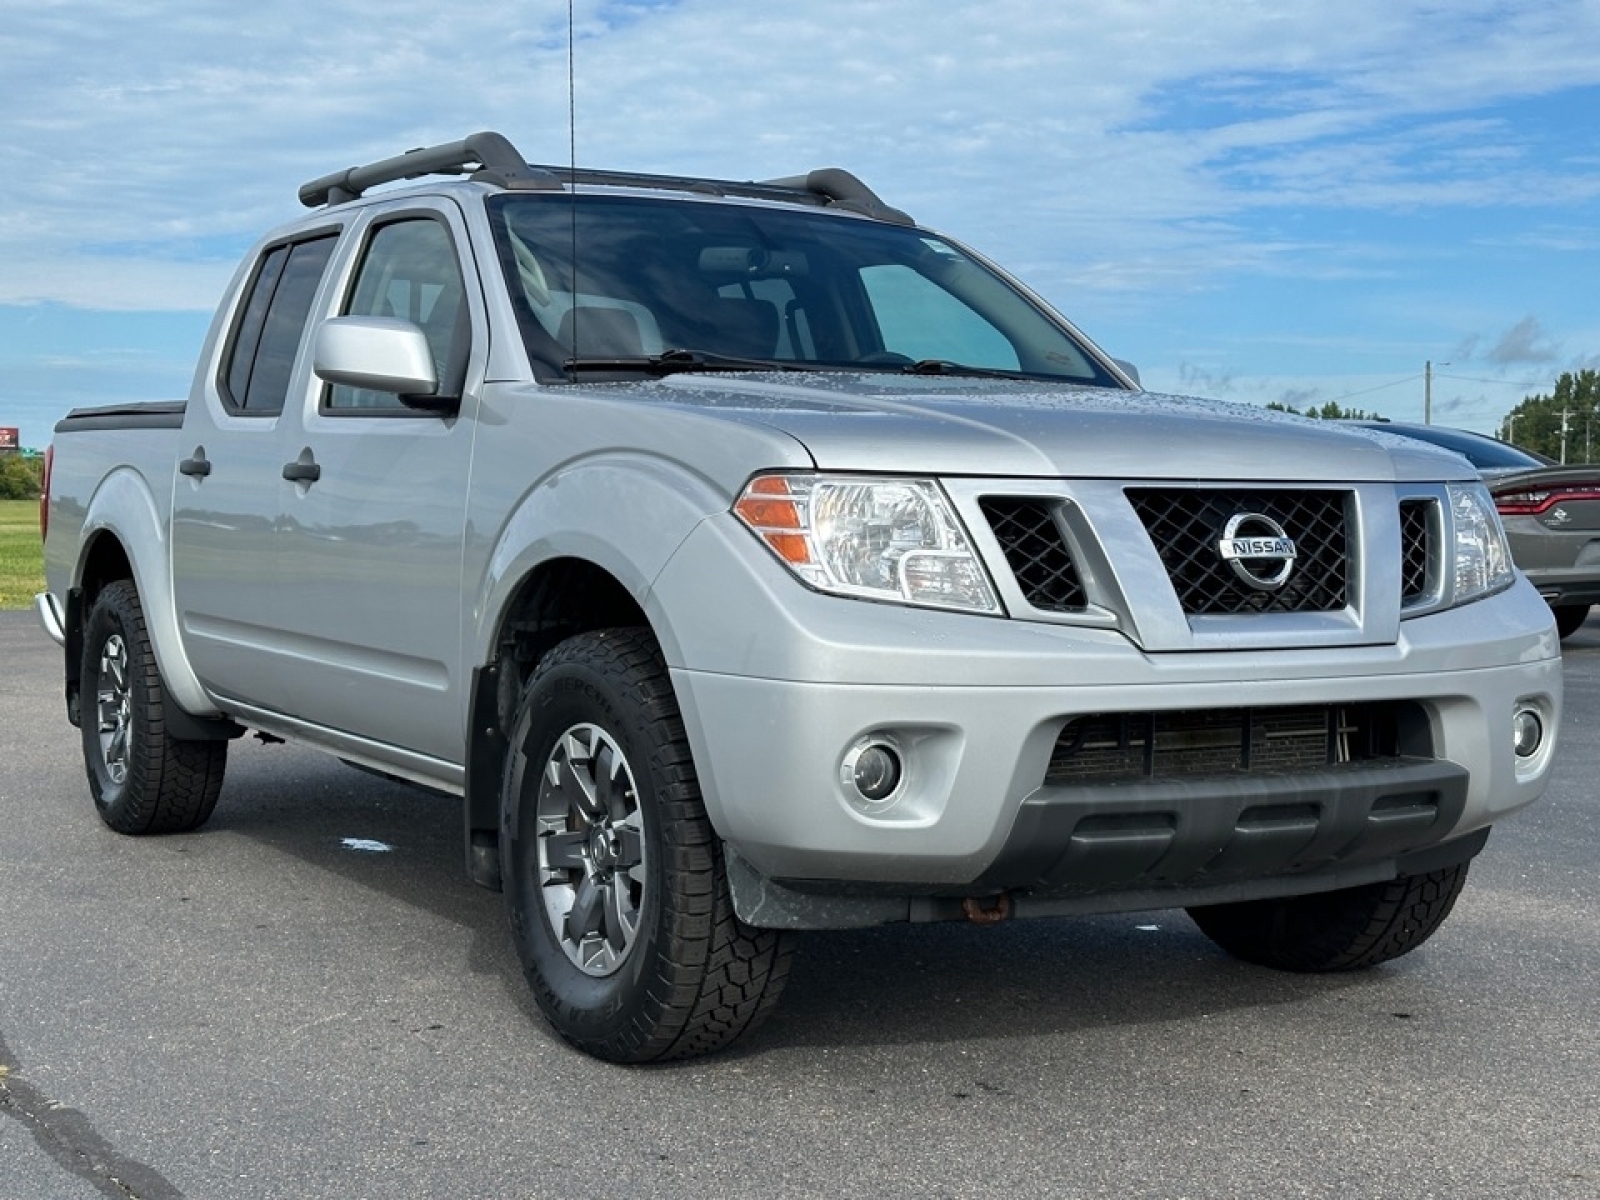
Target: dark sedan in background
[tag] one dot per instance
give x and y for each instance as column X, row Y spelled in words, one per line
column 1551, row 514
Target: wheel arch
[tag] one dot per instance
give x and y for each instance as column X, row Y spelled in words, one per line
column 124, row 537
column 623, row 514
column 580, row 551
column 555, row 600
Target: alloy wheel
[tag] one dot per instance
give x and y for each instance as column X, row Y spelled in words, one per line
column 114, row 704
column 591, row 849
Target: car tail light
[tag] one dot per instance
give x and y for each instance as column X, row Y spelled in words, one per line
column 1533, row 501
column 44, row 492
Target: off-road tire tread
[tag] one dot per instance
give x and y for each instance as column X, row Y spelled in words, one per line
column 1344, row 930
column 717, row 978
column 172, row 784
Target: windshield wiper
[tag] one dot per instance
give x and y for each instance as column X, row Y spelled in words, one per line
column 672, row 362
column 944, row 366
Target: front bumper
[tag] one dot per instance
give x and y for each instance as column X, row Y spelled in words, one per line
column 778, row 695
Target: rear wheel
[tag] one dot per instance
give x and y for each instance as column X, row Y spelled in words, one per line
column 143, row 779
column 1570, row 618
column 618, row 896
column 1343, row 930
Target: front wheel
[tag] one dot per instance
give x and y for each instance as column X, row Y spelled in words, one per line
column 1342, row 930
column 617, row 891
column 142, row 778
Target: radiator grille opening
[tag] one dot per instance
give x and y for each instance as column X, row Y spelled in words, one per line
column 1206, row 743
column 1186, row 527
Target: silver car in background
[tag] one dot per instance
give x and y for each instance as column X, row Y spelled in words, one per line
column 1551, row 514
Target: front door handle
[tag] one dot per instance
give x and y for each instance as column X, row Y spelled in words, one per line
column 302, row 472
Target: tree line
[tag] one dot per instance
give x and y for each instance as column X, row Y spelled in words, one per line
column 20, row 477
column 1563, row 424
column 1329, row 411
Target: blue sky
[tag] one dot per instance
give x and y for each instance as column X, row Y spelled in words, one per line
column 1298, row 202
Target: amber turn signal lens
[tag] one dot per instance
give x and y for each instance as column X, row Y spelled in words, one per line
column 771, row 509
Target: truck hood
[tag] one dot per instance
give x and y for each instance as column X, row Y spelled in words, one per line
column 960, row 426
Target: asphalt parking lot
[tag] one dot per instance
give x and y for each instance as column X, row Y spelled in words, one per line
column 274, row 1007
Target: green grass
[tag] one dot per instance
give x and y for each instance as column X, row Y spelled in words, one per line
column 21, row 554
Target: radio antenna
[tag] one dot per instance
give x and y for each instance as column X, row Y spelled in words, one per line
column 572, row 184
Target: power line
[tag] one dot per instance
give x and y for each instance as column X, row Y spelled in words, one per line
column 1379, row 388
column 1476, row 379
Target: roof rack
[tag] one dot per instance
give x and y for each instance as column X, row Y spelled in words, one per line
column 498, row 162
column 497, row 158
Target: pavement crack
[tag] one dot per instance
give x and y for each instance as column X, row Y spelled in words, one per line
column 67, row 1136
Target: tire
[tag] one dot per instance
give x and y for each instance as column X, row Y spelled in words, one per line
column 1570, row 618
column 1344, row 930
column 144, row 781
column 617, row 893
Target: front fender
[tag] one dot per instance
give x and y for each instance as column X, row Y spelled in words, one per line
column 626, row 514
column 124, row 508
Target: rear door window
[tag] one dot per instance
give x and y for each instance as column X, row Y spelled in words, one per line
column 271, row 325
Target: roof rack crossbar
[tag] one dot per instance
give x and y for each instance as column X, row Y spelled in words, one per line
column 843, row 190
column 830, row 186
column 498, row 161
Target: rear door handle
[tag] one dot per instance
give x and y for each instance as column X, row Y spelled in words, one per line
column 302, row 472
column 195, row 468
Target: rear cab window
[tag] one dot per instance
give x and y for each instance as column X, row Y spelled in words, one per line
column 266, row 337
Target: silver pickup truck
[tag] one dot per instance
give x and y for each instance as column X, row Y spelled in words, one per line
column 750, row 559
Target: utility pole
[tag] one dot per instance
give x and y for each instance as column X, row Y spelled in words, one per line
column 1566, row 414
column 1511, row 428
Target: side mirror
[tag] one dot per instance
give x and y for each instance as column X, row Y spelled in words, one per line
column 382, row 354
column 1128, row 369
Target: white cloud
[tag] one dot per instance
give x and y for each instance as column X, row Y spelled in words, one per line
column 181, row 119
column 1524, row 342
column 113, row 284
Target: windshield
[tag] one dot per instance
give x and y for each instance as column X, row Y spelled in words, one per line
column 684, row 284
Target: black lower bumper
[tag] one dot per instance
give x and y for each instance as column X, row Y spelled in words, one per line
column 1079, row 849
column 1079, row 840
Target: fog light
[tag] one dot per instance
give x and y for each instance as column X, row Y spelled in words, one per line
column 1527, row 731
column 877, row 772
column 874, row 769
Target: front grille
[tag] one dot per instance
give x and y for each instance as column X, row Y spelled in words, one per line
column 1201, row 743
column 1416, row 549
column 1186, row 527
column 1027, row 532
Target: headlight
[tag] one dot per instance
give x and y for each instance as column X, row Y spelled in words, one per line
column 882, row 539
column 1482, row 559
